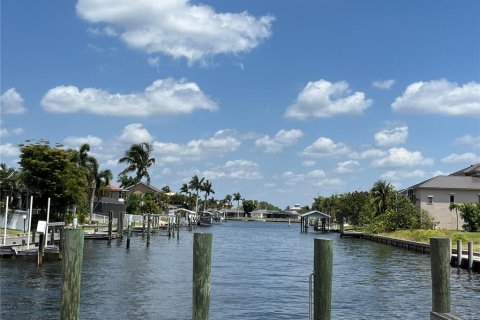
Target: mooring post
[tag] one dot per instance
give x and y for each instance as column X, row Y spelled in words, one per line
column 110, row 225
column 40, row 249
column 459, row 253
column 148, row 229
column 202, row 265
column 440, row 255
column 61, row 243
column 71, row 274
column 178, row 226
column 143, row 225
column 323, row 270
column 120, row 224
column 470, row 254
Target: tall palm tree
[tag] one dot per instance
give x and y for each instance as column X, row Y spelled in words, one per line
column 237, row 197
column 381, row 192
column 208, row 189
column 184, row 189
column 454, row 206
column 228, row 200
column 196, row 184
column 138, row 160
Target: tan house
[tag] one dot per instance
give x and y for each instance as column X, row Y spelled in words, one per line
column 436, row 194
column 141, row 188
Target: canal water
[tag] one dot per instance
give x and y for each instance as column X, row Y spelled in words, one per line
column 260, row 270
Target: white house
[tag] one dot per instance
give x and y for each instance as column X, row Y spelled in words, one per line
column 436, row 194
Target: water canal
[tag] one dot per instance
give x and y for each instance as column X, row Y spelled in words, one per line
column 259, row 271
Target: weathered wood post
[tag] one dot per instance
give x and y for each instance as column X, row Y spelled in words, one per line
column 71, row 274
column 120, row 224
column 149, row 220
column 169, row 226
column 470, row 254
column 323, row 270
column 440, row 255
column 110, row 225
column 61, row 243
column 40, row 249
column 143, row 225
column 459, row 253
column 202, row 265
column 178, row 226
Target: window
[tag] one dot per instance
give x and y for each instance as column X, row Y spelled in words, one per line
column 430, row 200
column 452, row 197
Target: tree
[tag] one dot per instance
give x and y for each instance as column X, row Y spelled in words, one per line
column 196, row 184
column 249, row 206
column 470, row 212
column 208, row 189
column 184, row 189
column 350, row 206
column 133, row 203
column 138, row 160
column 9, row 184
column 237, row 197
column 53, row 173
column 166, row 189
column 381, row 193
column 454, row 206
column 228, row 200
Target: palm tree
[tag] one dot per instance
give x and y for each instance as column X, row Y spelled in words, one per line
column 381, row 195
column 228, row 200
column 207, row 188
column 455, row 206
column 138, row 160
column 196, row 184
column 237, row 197
column 184, row 189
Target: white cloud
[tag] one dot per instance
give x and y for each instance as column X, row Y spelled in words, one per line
column 105, row 31
column 8, row 150
column 441, row 97
column 163, row 97
column 401, row 157
column 282, row 138
column 325, row 147
column 154, row 62
column 73, row 141
column 222, row 142
column 12, row 102
column 468, row 140
column 383, row 84
column 178, row 28
column 461, row 158
column 4, row 132
column 334, row 182
column 308, row 163
column 391, row 137
column 323, row 99
column 394, row 175
column 235, row 169
column 135, row 133
column 315, row 174
column 347, row 166
column 240, row 163
column 370, row 153
column 439, row 173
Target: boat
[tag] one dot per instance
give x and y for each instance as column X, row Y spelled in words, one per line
column 205, row 219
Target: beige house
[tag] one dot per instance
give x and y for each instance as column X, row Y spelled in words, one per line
column 436, row 194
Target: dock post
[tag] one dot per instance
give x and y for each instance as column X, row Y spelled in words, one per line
column 470, row 254
column 120, row 224
column 71, row 274
column 149, row 219
column 110, row 225
column 440, row 256
column 61, row 243
column 143, row 225
column 459, row 253
column 178, row 226
column 40, row 249
column 323, row 270
column 202, row 265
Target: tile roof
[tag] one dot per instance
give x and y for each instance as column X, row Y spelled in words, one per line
column 450, row 182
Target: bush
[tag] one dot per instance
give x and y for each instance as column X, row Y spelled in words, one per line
column 470, row 212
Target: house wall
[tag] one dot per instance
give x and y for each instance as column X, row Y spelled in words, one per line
column 440, row 208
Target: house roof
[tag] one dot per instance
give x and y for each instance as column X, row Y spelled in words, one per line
column 146, row 185
column 473, row 170
column 315, row 214
column 450, row 182
column 114, row 188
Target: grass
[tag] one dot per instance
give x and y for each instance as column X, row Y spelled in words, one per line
column 425, row 235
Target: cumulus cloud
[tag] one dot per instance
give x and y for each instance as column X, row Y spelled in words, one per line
column 220, row 143
column 396, row 175
column 11, row 102
column 441, row 97
column 135, row 133
column 74, row 141
column 391, row 137
column 315, row 174
column 164, row 97
column 282, row 138
column 461, row 158
column 383, row 84
column 325, row 147
column 329, row 183
column 235, row 169
column 370, row 153
column 347, row 166
column 9, row 150
column 178, row 28
column 321, row 99
column 308, row 163
column 4, row 132
column 469, row 140
column 401, row 157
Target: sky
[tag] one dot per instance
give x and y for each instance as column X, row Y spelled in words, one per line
column 282, row 101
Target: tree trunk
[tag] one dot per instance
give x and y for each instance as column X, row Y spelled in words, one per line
column 92, row 199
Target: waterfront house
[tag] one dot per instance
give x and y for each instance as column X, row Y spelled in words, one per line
column 113, row 200
column 436, row 194
column 142, row 188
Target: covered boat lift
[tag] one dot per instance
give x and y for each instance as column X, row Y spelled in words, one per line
column 322, row 221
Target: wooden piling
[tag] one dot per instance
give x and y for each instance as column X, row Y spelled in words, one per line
column 470, row 254
column 110, row 225
column 148, row 229
column 40, row 249
column 61, row 243
column 178, row 226
column 143, row 225
column 71, row 274
column 459, row 253
column 440, row 255
column 323, row 270
column 120, row 224
column 202, row 265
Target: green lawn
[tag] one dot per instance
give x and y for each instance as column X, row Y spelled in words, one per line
column 425, row 235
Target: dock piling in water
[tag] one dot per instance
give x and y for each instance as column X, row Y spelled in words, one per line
column 202, row 265
column 470, row 254
column 440, row 255
column 149, row 220
column 323, row 270
column 459, row 253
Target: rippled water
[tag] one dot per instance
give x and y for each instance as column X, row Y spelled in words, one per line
column 259, row 271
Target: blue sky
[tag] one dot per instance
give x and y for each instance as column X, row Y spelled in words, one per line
column 278, row 100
